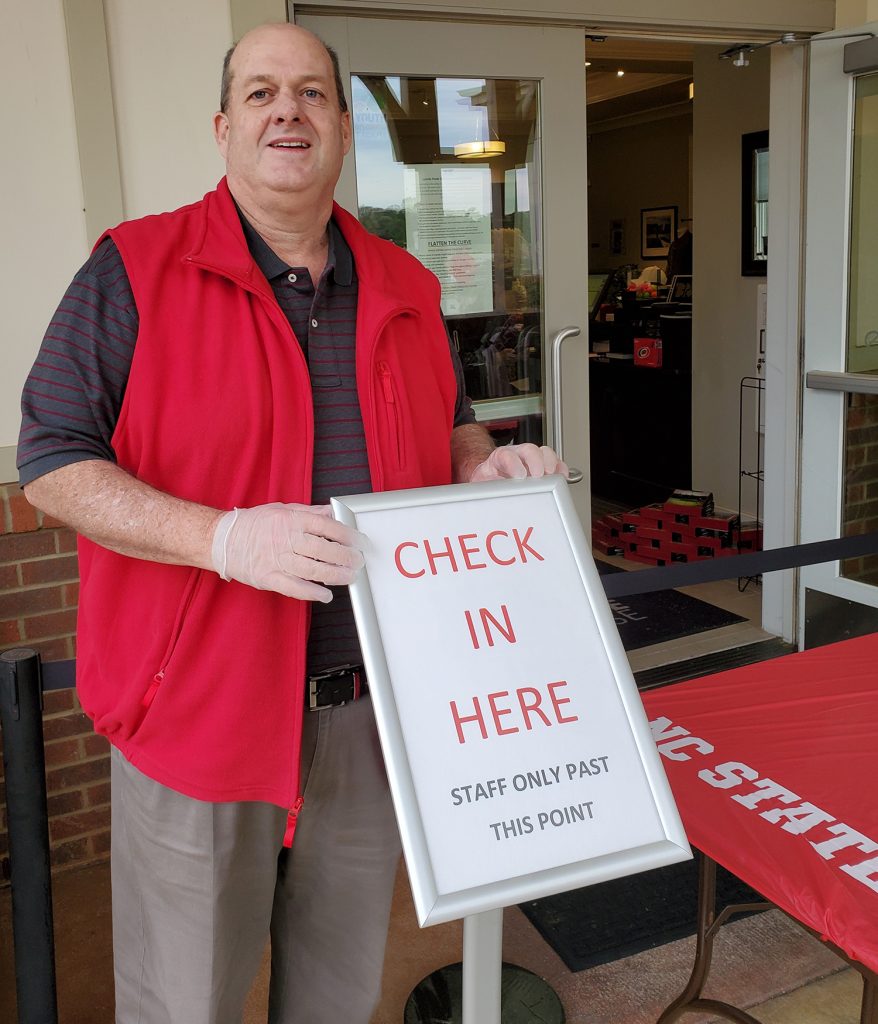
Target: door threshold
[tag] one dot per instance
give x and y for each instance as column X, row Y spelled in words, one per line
column 708, row 664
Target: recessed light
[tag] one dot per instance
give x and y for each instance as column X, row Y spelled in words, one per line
column 620, row 73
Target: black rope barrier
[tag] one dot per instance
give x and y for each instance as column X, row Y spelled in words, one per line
column 27, row 824
column 749, row 563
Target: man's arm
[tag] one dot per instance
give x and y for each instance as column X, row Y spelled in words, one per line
column 474, row 458
column 290, row 549
column 471, row 444
column 114, row 509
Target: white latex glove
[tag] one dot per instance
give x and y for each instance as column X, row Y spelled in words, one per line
column 516, row 461
column 290, row 549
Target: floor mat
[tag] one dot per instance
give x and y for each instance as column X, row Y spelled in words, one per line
column 606, row 922
column 646, row 619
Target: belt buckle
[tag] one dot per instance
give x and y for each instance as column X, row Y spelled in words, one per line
column 334, row 673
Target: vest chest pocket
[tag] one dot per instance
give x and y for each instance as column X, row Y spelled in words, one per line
column 394, row 412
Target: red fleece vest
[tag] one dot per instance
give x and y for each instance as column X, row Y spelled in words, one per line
column 199, row 682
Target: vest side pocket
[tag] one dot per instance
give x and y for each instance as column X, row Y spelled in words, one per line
column 186, row 599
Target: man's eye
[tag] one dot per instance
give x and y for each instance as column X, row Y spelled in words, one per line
column 313, row 94
column 259, row 94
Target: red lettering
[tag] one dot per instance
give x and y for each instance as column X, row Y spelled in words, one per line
column 497, row 712
column 397, row 557
column 558, row 701
column 472, row 629
column 523, row 545
column 490, row 548
column 433, row 555
column 526, row 708
column 460, row 720
column 487, row 617
column 470, row 551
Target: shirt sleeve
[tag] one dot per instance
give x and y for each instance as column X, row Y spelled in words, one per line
column 463, row 409
column 73, row 394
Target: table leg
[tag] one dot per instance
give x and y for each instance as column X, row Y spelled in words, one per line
column 690, row 999
column 869, row 1006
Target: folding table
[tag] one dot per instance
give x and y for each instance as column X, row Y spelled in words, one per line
column 774, row 768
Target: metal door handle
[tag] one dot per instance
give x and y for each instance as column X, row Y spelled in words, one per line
column 557, row 439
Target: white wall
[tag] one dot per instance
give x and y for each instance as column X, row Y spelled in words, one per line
column 729, row 102
column 630, row 169
column 165, row 61
column 41, row 223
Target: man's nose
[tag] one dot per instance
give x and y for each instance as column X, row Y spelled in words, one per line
column 286, row 109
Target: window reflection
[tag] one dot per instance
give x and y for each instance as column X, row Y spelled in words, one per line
column 472, row 219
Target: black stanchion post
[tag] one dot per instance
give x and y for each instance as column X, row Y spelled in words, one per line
column 21, row 701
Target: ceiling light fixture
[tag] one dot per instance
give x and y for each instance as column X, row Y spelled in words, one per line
column 620, row 73
column 479, row 150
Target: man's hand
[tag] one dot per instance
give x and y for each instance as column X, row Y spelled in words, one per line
column 290, row 549
column 517, row 461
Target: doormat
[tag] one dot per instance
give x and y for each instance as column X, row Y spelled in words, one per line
column 612, row 920
column 646, row 619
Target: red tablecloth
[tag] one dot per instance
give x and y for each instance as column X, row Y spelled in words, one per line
column 774, row 768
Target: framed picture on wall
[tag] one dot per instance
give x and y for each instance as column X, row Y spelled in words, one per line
column 658, row 228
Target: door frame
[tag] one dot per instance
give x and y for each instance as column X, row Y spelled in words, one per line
column 787, row 127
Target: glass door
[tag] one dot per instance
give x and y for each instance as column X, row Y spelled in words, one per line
column 840, row 401
column 469, row 151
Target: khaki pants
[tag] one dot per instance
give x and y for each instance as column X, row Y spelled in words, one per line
column 198, row 886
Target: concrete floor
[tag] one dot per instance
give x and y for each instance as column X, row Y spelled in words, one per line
column 765, row 963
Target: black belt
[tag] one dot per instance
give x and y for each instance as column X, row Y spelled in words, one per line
column 335, row 687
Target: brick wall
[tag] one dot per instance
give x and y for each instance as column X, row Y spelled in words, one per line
column 861, row 482
column 38, row 598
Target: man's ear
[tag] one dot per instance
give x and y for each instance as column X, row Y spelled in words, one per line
column 346, row 131
column 221, row 131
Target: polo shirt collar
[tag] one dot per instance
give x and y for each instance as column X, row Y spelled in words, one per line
column 339, row 261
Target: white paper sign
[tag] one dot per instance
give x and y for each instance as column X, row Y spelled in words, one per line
column 520, row 759
column 448, row 228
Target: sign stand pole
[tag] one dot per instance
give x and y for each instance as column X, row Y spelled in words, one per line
column 482, row 966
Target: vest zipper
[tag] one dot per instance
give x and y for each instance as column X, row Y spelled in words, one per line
column 292, row 820
column 396, row 413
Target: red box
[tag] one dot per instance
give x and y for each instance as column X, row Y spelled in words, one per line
column 721, row 524
column 655, row 513
column 647, row 351
column 683, row 552
column 606, row 547
column 648, row 558
column 647, row 533
column 750, row 540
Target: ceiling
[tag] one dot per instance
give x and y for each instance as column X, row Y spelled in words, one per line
column 657, row 77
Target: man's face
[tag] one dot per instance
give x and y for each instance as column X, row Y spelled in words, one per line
column 283, row 130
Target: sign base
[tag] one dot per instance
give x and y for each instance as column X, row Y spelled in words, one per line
column 524, row 998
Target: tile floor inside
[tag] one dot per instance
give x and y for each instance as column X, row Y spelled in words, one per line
column 764, row 963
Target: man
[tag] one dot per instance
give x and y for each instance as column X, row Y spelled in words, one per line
column 212, row 376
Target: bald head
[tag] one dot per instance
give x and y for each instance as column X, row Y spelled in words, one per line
column 282, row 30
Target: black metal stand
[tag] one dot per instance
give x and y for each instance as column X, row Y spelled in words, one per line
column 21, row 701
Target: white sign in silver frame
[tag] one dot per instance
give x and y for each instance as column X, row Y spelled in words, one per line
column 520, row 759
